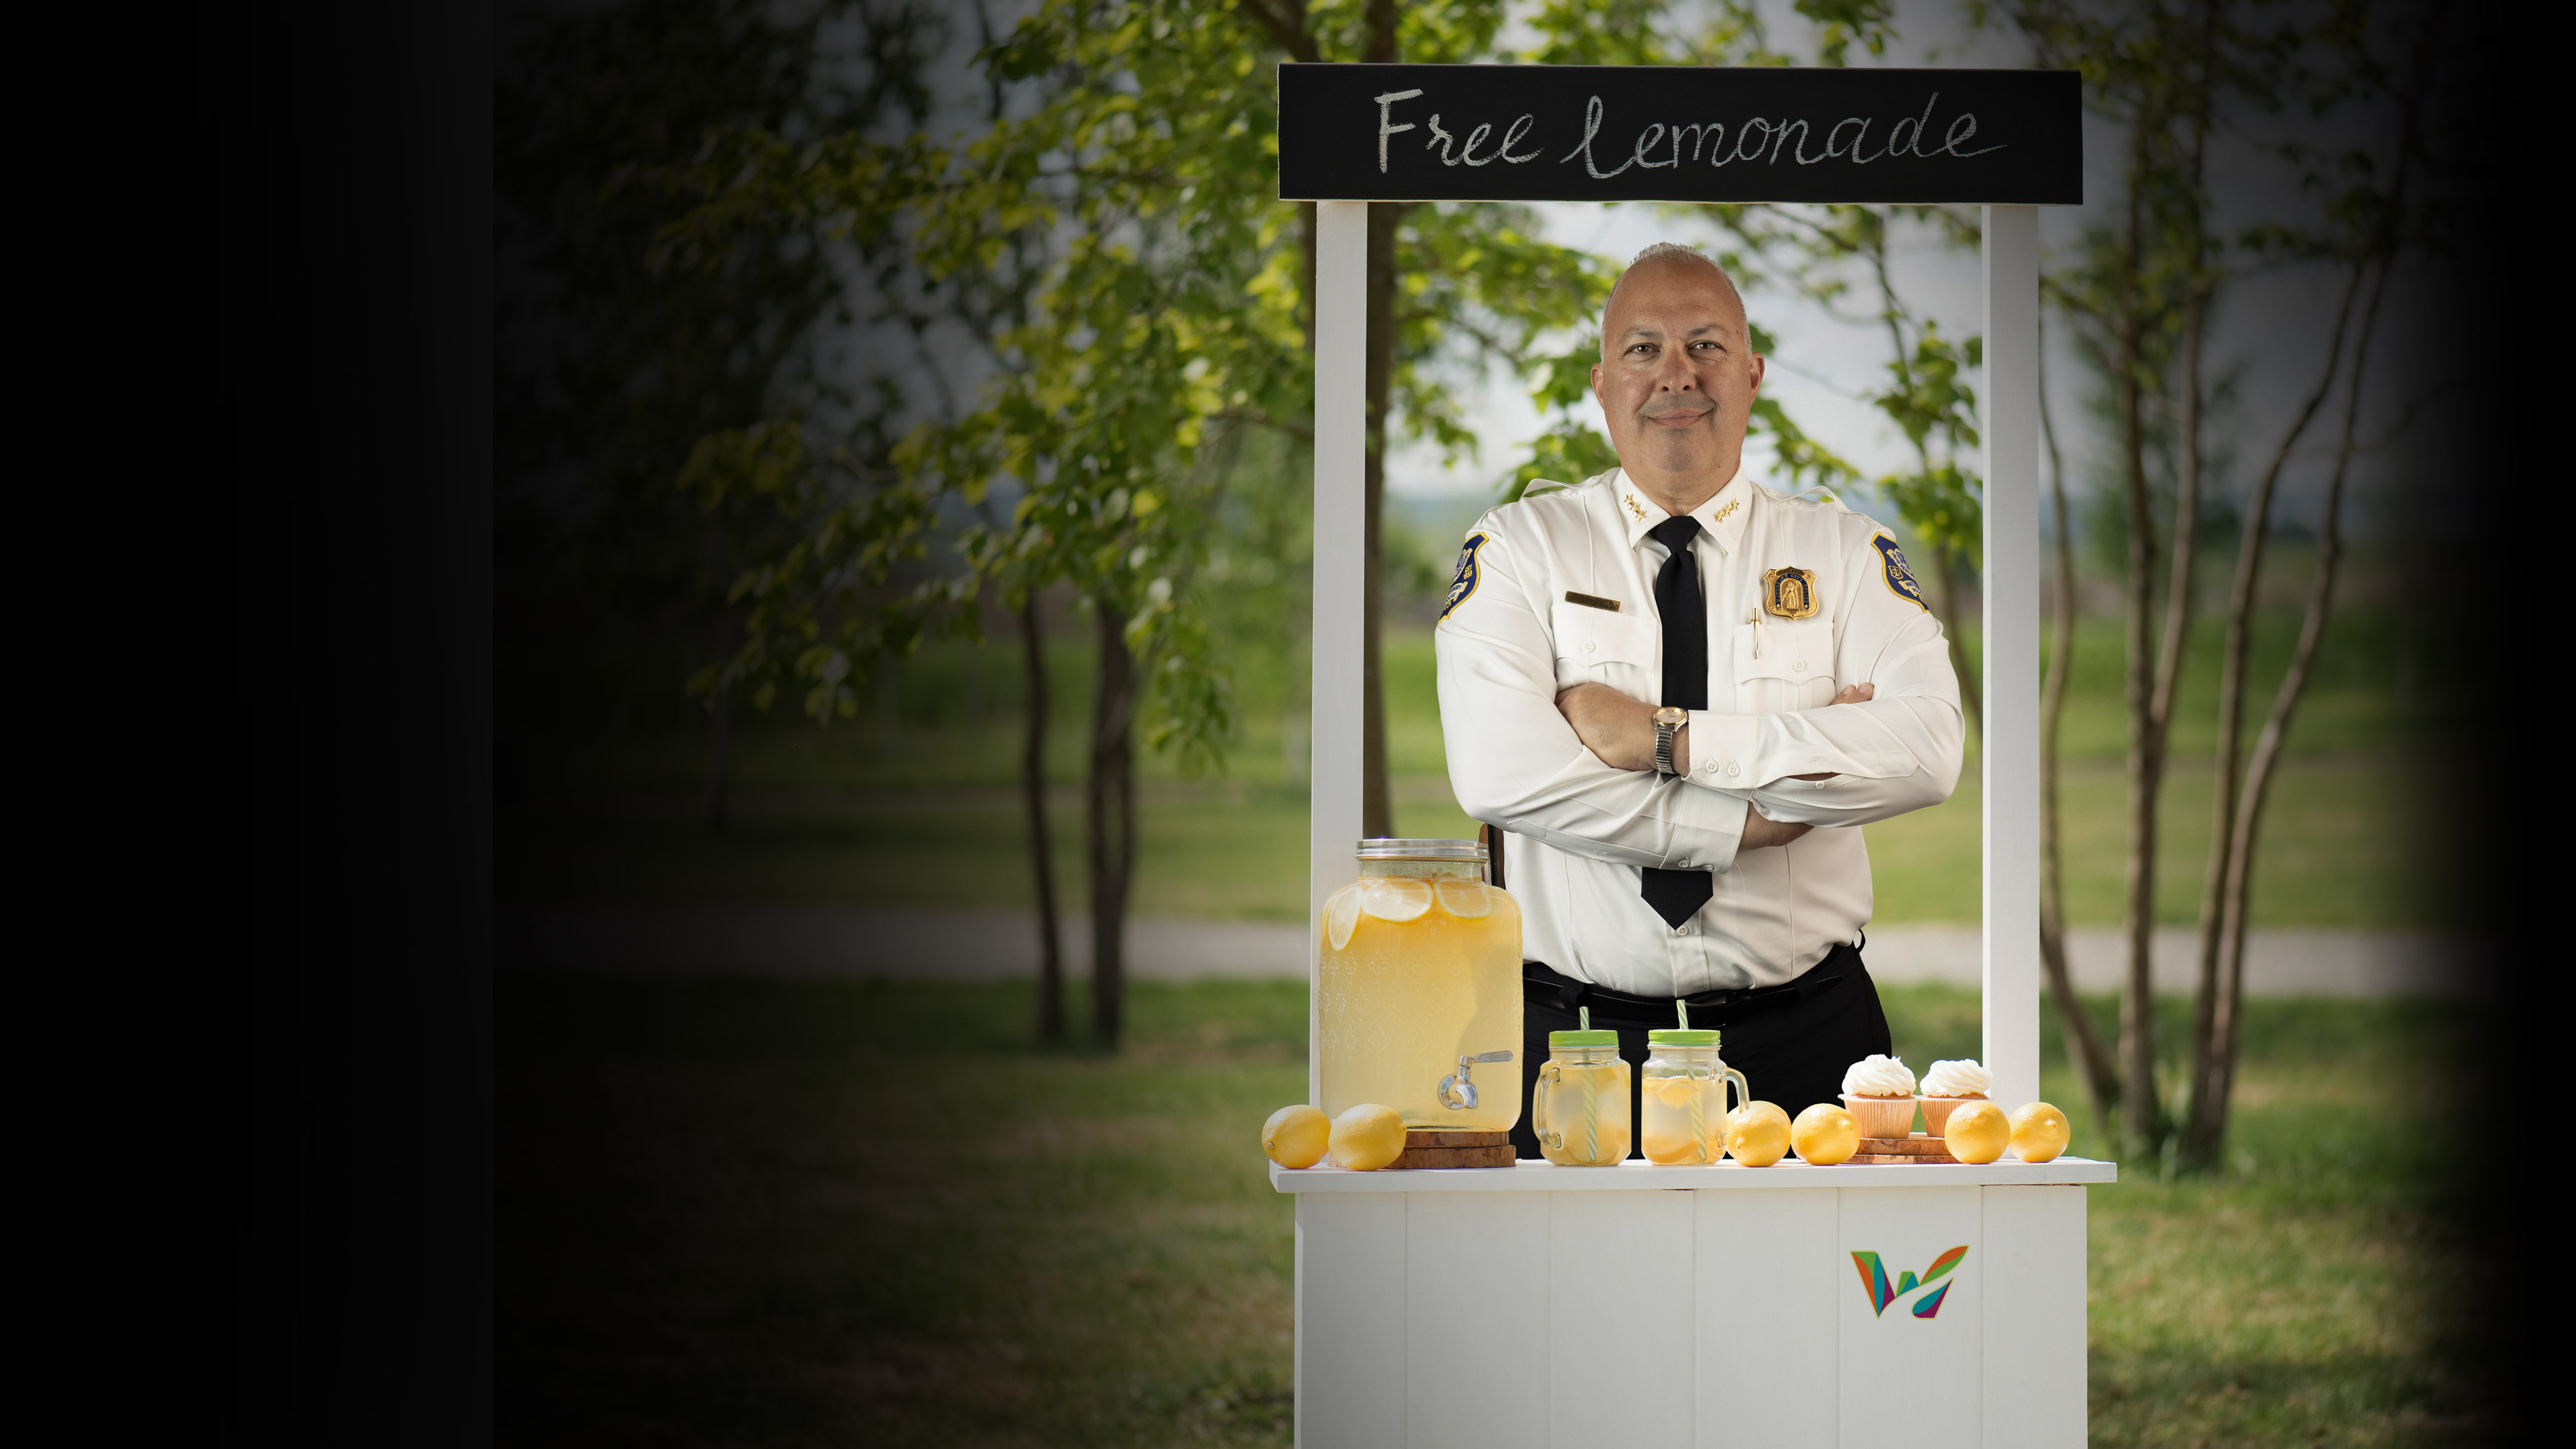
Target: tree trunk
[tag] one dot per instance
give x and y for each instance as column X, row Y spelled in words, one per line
column 2200, row 1138
column 1110, row 834
column 2209, row 1126
column 2101, row 1077
column 2227, row 894
column 2139, row 1103
column 720, row 763
column 1377, row 811
column 1945, row 571
column 1377, row 815
column 1033, row 790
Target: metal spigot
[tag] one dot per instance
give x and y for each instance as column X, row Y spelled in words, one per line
column 1455, row 1091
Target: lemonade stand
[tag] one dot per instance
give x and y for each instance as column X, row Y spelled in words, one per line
column 1922, row 1303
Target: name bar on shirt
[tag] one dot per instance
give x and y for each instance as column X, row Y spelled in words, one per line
column 1679, row 133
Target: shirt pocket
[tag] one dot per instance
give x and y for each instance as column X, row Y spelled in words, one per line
column 1592, row 645
column 1784, row 664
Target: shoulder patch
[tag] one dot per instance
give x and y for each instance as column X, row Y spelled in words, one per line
column 1463, row 587
column 1900, row 579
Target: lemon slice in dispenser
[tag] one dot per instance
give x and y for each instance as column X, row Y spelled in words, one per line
column 1395, row 898
column 1342, row 916
column 1466, row 899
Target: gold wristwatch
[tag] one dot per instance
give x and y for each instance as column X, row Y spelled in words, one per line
column 1668, row 722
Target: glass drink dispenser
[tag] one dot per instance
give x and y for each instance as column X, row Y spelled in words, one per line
column 1419, row 992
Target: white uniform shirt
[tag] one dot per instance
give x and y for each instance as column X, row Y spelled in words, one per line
column 1512, row 635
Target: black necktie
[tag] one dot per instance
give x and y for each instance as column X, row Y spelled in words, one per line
column 1677, row 895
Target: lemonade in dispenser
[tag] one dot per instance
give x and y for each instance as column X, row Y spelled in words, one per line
column 1419, row 989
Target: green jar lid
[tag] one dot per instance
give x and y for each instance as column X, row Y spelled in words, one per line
column 1692, row 1037
column 1557, row 1039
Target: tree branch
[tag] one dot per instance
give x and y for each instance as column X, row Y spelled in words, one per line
column 1287, row 26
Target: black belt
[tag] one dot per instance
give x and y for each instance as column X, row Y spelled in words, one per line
column 1544, row 986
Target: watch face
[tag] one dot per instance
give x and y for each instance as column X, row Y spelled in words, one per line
column 1671, row 715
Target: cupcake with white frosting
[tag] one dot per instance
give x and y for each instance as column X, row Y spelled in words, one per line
column 1949, row 1086
column 1879, row 1093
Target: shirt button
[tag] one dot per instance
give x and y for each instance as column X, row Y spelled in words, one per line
column 1800, row 666
column 1681, row 930
column 1589, row 646
column 1730, row 767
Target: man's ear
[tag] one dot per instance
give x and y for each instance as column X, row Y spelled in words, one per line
column 1596, row 388
column 1757, row 374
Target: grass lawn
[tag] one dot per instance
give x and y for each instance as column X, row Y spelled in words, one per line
column 926, row 814
column 2335, row 854
column 746, row 1213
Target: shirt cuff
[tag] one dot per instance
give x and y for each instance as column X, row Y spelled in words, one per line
column 1707, row 829
column 1722, row 748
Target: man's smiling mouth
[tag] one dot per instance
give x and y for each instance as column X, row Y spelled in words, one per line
column 1678, row 414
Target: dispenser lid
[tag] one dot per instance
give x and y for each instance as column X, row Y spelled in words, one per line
column 1692, row 1037
column 1394, row 848
column 1557, row 1039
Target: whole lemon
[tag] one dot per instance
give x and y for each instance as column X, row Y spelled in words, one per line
column 2039, row 1132
column 1824, row 1134
column 1757, row 1134
column 1367, row 1137
column 1977, row 1132
column 1296, row 1136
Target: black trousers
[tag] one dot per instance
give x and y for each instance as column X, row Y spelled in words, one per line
column 1792, row 1042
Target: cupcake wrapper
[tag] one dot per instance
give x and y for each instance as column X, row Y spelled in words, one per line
column 1937, row 1110
column 1881, row 1116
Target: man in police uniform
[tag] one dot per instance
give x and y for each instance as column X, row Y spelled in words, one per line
column 1680, row 694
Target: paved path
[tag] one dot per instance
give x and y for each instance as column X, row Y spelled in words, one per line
column 834, row 941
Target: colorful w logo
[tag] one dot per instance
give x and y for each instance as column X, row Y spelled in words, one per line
column 1873, row 1281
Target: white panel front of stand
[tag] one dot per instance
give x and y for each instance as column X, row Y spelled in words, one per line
column 1769, row 1267
column 1476, row 1320
column 1350, row 1320
column 1908, row 1380
column 2035, row 1343
column 1619, row 1318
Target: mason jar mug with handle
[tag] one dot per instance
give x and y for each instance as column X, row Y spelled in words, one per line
column 1685, row 1098
column 1579, row 1105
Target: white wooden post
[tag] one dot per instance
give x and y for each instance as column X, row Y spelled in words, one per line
column 1341, row 522
column 2011, row 662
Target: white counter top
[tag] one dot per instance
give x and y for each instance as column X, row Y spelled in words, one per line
column 1637, row 1175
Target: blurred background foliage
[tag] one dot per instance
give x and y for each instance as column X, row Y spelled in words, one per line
column 818, row 296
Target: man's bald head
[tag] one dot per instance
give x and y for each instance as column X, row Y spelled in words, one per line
column 1661, row 256
column 1677, row 375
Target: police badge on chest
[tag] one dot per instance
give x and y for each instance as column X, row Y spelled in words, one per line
column 1789, row 593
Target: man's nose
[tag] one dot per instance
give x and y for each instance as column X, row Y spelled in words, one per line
column 1676, row 374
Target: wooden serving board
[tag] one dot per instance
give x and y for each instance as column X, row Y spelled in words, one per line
column 1430, row 1149
column 1430, row 1157
column 1414, row 1138
column 1913, row 1144
column 1913, row 1147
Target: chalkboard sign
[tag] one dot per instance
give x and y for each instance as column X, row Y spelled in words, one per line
column 1678, row 133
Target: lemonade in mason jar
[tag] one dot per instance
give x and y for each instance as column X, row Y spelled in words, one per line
column 1418, row 999
column 1684, row 1099
column 1579, row 1105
